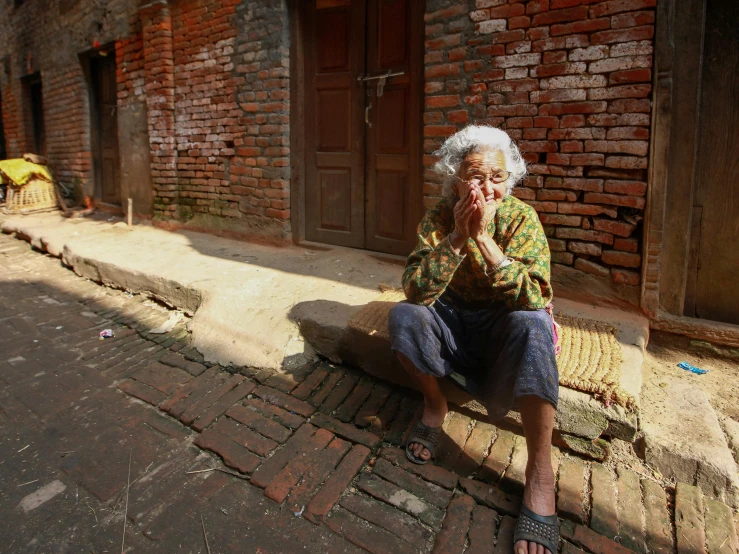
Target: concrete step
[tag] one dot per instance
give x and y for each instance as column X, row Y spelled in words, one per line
column 325, row 326
column 684, row 440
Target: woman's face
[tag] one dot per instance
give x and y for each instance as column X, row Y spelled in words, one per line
column 482, row 169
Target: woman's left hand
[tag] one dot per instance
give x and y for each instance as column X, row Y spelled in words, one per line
column 483, row 215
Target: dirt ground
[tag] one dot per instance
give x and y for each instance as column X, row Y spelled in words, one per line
column 721, row 383
column 664, row 352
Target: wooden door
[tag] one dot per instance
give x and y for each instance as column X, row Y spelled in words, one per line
column 334, row 108
column 711, row 291
column 105, row 137
column 393, row 185
column 363, row 158
column 37, row 116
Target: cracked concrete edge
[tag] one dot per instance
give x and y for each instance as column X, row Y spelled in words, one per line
column 61, row 245
column 48, row 238
column 714, row 478
column 689, row 444
column 177, row 295
column 75, row 244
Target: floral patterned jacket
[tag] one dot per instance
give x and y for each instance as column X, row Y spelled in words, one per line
column 524, row 284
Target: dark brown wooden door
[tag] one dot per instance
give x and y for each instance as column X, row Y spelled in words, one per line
column 711, row 291
column 36, row 98
column 105, row 135
column 393, row 185
column 363, row 158
column 334, row 192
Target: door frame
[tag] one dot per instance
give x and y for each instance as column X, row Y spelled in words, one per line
column 34, row 114
column 297, row 17
column 678, row 64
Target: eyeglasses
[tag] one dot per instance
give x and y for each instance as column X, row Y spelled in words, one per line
column 498, row 177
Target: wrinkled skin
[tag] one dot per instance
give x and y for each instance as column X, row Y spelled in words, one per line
column 477, row 205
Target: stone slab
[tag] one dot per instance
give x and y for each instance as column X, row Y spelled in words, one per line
column 683, row 440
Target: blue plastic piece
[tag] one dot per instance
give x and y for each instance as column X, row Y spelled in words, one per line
column 691, row 368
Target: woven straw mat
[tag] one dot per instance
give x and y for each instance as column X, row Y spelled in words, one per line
column 589, row 360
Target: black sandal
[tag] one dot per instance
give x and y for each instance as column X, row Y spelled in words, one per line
column 532, row 527
column 426, row 436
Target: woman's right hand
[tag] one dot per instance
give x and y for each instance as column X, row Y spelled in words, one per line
column 463, row 211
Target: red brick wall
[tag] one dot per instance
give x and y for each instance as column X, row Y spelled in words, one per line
column 570, row 81
column 158, row 76
column 206, row 111
column 129, row 52
column 214, row 75
column 54, row 53
column 66, row 119
column 261, row 170
column 10, row 112
column 222, row 146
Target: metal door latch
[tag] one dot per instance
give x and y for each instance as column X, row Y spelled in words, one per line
column 381, row 80
column 381, row 86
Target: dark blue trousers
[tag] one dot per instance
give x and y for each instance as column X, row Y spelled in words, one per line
column 503, row 354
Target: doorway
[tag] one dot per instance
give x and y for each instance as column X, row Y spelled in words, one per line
column 104, row 132
column 692, row 220
column 34, row 107
column 713, row 257
column 362, row 106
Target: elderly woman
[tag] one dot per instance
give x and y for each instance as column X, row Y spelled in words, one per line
column 478, row 289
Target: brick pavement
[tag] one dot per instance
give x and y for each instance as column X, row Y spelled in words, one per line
column 316, row 449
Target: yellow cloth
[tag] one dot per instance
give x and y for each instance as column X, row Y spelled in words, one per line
column 18, row 172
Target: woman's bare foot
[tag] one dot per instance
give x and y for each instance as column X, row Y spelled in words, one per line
column 433, row 416
column 538, row 496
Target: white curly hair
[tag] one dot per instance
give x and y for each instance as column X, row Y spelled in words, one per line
column 473, row 139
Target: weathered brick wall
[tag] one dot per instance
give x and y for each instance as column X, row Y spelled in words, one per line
column 230, row 132
column 10, row 109
column 129, row 52
column 66, row 120
column 212, row 77
column 570, row 81
column 47, row 37
column 157, row 41
column 263, row 69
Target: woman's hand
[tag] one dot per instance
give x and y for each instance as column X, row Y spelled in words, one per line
column 483, row 215
column 464, row 210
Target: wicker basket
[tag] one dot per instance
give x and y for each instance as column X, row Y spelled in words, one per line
column 36, row 195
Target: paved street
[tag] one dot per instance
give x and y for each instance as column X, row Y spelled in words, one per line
column 66, row 430
column 304, row 461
